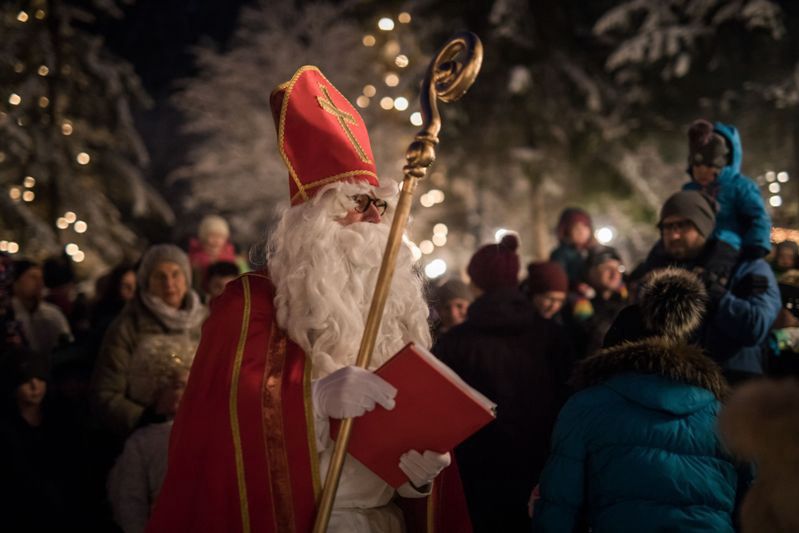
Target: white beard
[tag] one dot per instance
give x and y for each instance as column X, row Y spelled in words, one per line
column 325, row 275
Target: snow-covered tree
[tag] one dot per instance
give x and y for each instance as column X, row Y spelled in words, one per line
column 71, row 159
column 234, row 167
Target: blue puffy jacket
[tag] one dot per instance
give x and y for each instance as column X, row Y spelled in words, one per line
column 737, row 330
column 636, row 449
column 742, row 219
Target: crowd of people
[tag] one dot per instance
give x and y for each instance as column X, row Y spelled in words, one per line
column 628, row 399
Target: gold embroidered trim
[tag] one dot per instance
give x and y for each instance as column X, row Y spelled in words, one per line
column 275, row 434
column 331, row 179
column 281, row 137
column 309, row 421
column 343, row 119
column 233, row 405
column 282, row 127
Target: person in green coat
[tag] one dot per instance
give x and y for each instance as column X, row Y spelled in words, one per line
column 164, row 305
column 635, row 449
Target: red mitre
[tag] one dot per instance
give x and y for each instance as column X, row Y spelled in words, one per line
column 321, row 136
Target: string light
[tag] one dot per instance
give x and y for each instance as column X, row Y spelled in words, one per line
column 66, row 127
column 404, row 17
column 775, row 201
column 22, row 16
column 61, row 223
column 385, row 24
column 13, row 247
column 40, row 14
column 44, row 101
column 15, row 193
column 14, row 99
column 71, row 248
column 401, row 61
column 29, row 182
column 369, row 90
column 78, row 256
column 3, row 246
column 436, row 196
column 440, row 229
column 782, row 177
column 362, row 101
column 774, row 187
column 391, row 79
column 416, row 118
column 401, row 103
column 439, row 239
column 70, row 217
column 427, row 247
column 43, row 70
column 28, row 196
column 81, row 226
column 436, row 268
column 386, row 102
column 770, row 176
column 83, row 158
column 368, row 40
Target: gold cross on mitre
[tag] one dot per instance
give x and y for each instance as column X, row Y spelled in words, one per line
column 344, row 119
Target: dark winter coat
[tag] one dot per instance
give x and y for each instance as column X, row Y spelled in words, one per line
column 636, row 449
column 572, row 260
column 518, row 360
column 736, row 329
column 742, row 220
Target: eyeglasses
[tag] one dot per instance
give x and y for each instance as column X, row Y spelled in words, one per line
column 680, row 226
column 363, row 201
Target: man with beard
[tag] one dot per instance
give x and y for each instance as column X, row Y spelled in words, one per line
column 250, row 443
column 741, row 309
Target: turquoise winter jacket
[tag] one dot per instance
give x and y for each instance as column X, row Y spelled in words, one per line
column 636, row 449
column 742, row 220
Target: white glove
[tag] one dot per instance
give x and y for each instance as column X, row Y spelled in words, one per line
column 351, row 391
column 422, row 469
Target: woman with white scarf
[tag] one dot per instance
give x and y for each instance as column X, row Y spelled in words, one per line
column 164, row 304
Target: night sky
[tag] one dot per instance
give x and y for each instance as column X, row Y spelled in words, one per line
column 156, row 36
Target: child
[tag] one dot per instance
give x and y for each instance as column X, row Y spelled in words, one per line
column 137, row 476
column 743, row 227
column 575, row 237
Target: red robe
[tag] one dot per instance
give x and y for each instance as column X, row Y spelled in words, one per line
column 242, row 454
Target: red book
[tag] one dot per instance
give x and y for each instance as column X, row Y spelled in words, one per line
column 435, row 410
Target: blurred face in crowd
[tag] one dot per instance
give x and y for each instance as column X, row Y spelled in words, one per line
column 168, row 399
column 214, row 242
column 680, row 237
column 168, row 283
column 453, row 312
column 31, row 392
column 785, row 258
column 367, row 209
column 579, row 234
column 127, row 286
column 704, row 175
column 606, row 276
column 216, row 285
column 29, row 287
column 547, row 304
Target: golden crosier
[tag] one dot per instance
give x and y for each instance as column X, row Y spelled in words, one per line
column 449, row 76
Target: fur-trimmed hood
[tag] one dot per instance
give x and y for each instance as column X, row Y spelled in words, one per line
column 679, row 363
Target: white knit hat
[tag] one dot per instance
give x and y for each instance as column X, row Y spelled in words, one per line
column 213, row 224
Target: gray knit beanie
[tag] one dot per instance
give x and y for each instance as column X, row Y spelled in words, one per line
column 162, row 253
column 693, row 205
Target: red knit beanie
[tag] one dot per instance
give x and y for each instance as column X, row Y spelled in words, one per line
column 496, row 265
column 546, row 276
column 568, row 218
